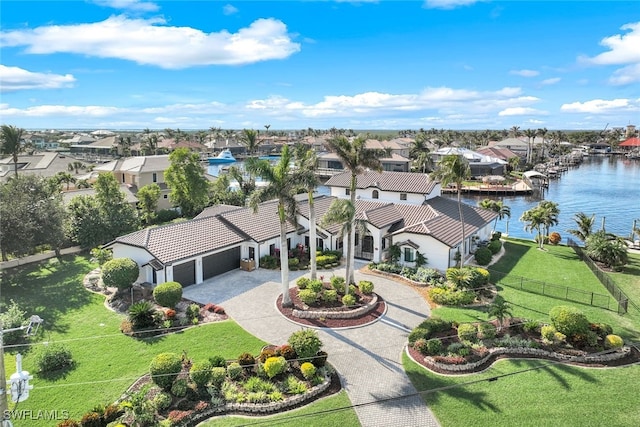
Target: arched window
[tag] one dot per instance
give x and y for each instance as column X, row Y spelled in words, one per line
column 374, row 194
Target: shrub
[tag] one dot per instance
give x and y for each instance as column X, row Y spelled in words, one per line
column 164, row 369
column 308, row 370
column 602, row 329
column 420, row 345
column 303, row 282
column 330, row 295
column 496, row 235
column 246, row 359
column 193, row 311
column 69, row 423
column 162, row 401
column 91, row 419
column 126, row 327
column 467, row 332
column 483, row 255
column 141, row 314
column 323, row 260
column 320, row 359
column 234, row 370
column 337, row 283
column 434, row 325
column 559, row 337
column 200, row 373
column 613, row 341
column 569, row 320
column 513, row 342
column 585, row 339
column 166, row 215
column 434, row 346
column 274, row 366
column 424, row 275
column 13, row 317
column 287, row 352
column 531, row 326
column 168, row 294
column 416, row 334
column 315, row 285
column 495, row 246
column 258, row 384
column 486, row 331
column 269, row 262
column 218, row 374
column 179, row 387
column 448, row 296
column 308, row 296
column 293, row 263
column 120, row 273
column 349, row 300
column 454, row 348
column 305, row 343
column 366, row 287
column 547, row 332
column 52, row 358
column 265, row 354
column 101, row 255
column 555, row 238
column 292, row 385
column 479, row 277
column 218, row 361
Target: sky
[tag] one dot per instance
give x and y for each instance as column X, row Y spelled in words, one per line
column 444, row 64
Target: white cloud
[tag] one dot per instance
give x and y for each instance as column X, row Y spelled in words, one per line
column 623, row 48
column 602, row 106
column 229, row 9
column 137, row 5
column 520, row 111
column 550, row 81
column 525, row 73
column 14, row 79
column 447, row 4
column 150, row 41
column 60, row 110
column 626, row 75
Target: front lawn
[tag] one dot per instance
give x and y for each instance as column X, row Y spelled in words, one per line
column 106, row 361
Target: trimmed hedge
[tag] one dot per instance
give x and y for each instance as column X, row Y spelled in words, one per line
column 164, row 369
column 120, row 273
column 168, row 294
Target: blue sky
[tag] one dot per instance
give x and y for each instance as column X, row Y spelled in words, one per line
column 445, row 64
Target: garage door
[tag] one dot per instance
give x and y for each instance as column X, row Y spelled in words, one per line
column 221, row 262
column 185, row 273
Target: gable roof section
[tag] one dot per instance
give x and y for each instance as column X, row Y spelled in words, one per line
column 260, row 226
column 631, row 142
column 405, row 182
column 216, row 210
column 497, row 152
column 174, row 242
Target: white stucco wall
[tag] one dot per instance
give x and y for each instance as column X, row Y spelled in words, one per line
column 139, row 255
column 436, row 252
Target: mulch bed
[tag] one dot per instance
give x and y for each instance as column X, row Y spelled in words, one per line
column 371, row 316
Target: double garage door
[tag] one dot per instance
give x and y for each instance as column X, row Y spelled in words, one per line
column 212, row 265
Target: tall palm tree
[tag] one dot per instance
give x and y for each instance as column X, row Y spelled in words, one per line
column 282, row 185
column 498, row 207
column 515, row 131
column 584, row 225
column 454, row 169
column 65, row 178
column 550, row 214
column 75, row 166
column 11, row 145
column 306, row 164
column 420, row 154
column 501, row 310
column 542, row 132
column 249, row 139
column 534, row 219
column 355, row 157
column 530, row 134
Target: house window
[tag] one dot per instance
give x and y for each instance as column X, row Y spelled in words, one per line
column 340, row 243
column 272, row 249
column 374, row 194
column 155, row 177
column 409, row 255
column 403, row 196
column 306, row 241
column 288, row 244
column 123, row 180
column 320, row 243
column 347, row 191
column 357, row 239
column 384, row 243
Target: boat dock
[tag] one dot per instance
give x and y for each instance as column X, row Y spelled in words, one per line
column 520, row 188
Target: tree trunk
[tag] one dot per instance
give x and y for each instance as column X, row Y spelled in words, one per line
column 312, row 236
column 352, row 237
column 284, row 265
column 463, row 254
column 352, row 255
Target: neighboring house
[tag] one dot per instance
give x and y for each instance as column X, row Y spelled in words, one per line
column 100, row 148
column 136, row 172
column 480, row 164
column 126, row 190
column 516, row 145
column 630, row 144
column 331, row 163
column 394, row 187
column 45, row 164
column 393, row 146
column 498, row 153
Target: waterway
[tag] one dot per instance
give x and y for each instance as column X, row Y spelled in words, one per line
column 605, row 186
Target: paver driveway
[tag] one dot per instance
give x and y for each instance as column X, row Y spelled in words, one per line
column 367, row 358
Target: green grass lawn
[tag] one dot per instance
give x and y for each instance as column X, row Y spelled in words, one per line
column 629, row 278
column 553, row 396
column 107, row 362
column 334, row 411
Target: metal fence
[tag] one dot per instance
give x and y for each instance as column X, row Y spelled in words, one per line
column 623, row 300
column 556, row 291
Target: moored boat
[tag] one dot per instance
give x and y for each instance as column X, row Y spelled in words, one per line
column 224, row 156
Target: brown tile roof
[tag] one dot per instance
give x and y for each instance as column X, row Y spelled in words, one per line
column 260, row 226
column 174, row 242
column 216, row 210
column 498, row 152
column 405, row 182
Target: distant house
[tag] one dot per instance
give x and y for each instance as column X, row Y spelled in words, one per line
column 497, row 152
column 516, row 145
column 331, row 163
column 480, row 164
column 630, row 144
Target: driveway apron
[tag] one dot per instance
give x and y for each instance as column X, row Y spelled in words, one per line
column 368, row 358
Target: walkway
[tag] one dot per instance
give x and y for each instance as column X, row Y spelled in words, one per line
column 368, row 359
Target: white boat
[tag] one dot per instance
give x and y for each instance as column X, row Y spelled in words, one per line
column 224, row 156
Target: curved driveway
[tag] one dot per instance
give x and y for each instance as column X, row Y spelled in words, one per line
column 368, row 358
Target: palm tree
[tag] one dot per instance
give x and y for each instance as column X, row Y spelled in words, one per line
column 501, row 310
column 11, row 145
column 420, row 154
column 75, row 166
column 454, row 169
column 356, row 158
column 83, row 183
column 515, row 131
column 530, row 134
column 282, row 184
column 249, row 139
column 498, row 207
column 306, row 164
column 550, row 214
column 65, row 178
column 543, row 132
column 534, row 218
column 584, row 224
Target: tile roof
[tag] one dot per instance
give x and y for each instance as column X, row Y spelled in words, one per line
column 174, row 242
column 405, row 182
column 260, row 226
column 216, row 210
column 129, row 196
column 631, row 142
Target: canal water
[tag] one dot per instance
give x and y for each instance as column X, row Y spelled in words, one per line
column 605, row 186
